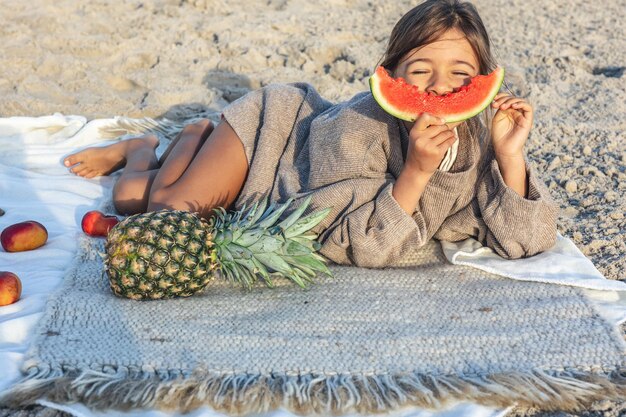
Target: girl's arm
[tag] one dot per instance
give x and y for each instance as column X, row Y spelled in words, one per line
column 513, row 170
column 510, row 128
column 516, row 226
column 515, row 204
column 429, row 139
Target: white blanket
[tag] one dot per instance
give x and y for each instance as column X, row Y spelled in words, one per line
column 34, row 185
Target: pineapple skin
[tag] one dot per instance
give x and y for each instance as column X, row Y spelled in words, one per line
column 160, row 255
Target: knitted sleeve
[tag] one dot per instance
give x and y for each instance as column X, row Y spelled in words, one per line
column 373, row 234
column 516, row 226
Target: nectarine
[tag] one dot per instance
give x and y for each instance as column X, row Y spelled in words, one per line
column 95, row 223
column 23, row 236
column 10, row 288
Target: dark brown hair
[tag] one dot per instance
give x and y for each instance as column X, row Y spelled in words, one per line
column 425, row 23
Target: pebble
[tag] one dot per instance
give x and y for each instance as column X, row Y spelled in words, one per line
column 571, row 186
column 596, row 244
column 577, row 236
column 604, row 405
column 616, row 215
column 2, row 212
column 555, row 163
column 587, row 202
column 610, row 196
column 587, row 150
column 570, row 212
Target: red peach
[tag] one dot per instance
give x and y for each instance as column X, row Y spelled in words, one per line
column 23, row 236
column 10, row 288
column 95, row 223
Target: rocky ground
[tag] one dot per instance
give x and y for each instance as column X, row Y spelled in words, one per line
column 174, row 58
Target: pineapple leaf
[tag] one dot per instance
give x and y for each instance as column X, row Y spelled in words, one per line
column 246, row 271
column 240, row 227
column 235, row 272
column 311, row 244
column 271, row 215
column 297, row 213
column 294, row 248
column 307, row 277
column 227, row 271
column 300, row 266
column 296, row 277
column 248, row 264
column 313, row 262
column 248, row 220
column 319, row 258
column 274, row 261
column 240, row 251
column 256, row 212
column 224, row 254
column 223, row 237
column 306, row 223
column 260, row 268
column 250, row 237
column 267, row 244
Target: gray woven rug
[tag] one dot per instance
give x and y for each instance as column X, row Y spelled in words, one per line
column 421, row 333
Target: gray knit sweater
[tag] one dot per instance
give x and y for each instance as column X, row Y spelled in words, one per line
column 347, row 156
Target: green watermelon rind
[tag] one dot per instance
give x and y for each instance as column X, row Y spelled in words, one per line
column 449, row 118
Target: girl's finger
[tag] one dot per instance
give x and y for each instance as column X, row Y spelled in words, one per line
column 434, row 130
column 424, row 120
column 443, row 137
column 500, row 95
column 522, row 106
column 428, row 133
column 509, row 102
column 446, row 144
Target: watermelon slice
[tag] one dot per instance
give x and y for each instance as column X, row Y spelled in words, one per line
column 407, row 102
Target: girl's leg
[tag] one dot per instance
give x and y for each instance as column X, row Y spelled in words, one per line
column 104, row 160
column 132, row 190
column 213, row 178
column 139, row 161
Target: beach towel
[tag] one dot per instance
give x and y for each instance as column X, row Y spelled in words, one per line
column 36, row 185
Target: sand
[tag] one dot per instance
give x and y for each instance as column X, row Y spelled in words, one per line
column 177, row 58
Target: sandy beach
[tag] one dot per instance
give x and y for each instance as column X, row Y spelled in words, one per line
column 178, row 58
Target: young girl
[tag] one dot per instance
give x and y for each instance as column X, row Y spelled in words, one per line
column 392, row 185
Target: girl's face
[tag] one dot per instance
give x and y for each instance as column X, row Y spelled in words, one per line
column 440, row 67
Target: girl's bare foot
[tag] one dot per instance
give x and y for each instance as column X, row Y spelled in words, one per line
column 103, row 160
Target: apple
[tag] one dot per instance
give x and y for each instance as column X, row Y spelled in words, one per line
column 23, row 236
column 10, row 288
column 95, row 223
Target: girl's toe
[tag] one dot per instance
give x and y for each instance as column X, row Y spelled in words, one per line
column 70, row 160
column 79, row 170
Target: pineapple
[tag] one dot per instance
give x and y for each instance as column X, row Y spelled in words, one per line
column 171, row 253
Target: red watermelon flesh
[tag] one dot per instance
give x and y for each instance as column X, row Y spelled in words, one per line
column 407, row 102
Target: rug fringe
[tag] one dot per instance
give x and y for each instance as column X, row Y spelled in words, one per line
column 124, row 126
column 125, row 388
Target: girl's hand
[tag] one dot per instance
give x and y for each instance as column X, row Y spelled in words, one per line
column 429, row 139
column 510, row 126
